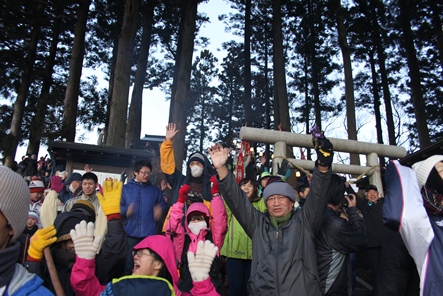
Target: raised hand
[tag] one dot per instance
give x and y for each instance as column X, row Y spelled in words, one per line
column 41, row 239
column 219, row 155
column 200, row 263
column 110, row 199
column 85, row 244
column 183, row 193
column 171, row 131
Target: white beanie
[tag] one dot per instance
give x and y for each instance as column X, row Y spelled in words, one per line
column 423, row 168
column 14, row 200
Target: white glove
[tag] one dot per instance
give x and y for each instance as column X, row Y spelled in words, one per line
column 200, row 263
column 83, row 237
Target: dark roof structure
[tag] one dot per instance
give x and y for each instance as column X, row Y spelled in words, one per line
column 102, row 158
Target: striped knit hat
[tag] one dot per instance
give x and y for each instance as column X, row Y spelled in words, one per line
column 14, row 200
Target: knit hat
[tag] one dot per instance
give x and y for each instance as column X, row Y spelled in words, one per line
column 423, row 168
column 73, row 177
column 264, row 175
column 280, row 188
column 34, row 215
column 36, row 186
column 197, row 157
column 14, row 200
column 66, row 221
column 85, row 207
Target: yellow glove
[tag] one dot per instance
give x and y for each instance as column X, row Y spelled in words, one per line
column 110, row 199
column 41, row 239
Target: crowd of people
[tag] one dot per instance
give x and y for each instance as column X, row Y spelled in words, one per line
column 67, row 235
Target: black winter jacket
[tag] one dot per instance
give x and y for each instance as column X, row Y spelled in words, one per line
column 283, row 259
column 335, row 241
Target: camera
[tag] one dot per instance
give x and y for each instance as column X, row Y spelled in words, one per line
column 344, row 203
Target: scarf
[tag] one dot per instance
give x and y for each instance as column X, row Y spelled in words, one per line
column 279, row 221
column 8, row 258
column 432, row 201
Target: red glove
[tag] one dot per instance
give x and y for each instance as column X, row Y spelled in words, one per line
column 57, row 184
column 183, row 193
column 214, row 185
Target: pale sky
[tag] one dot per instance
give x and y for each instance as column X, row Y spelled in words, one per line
column 155, row 107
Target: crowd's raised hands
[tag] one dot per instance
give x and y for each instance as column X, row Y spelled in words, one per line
column 171, row 131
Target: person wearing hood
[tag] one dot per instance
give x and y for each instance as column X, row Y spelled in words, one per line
column 197, row 227
column 198, row 171
column 154, row 267
column 414, row 207
column 71, row 188
column 142, row 205
column 14, row 203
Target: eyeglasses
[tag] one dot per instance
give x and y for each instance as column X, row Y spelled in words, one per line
column 278, row 198
column 139, row 253
column 147, row 173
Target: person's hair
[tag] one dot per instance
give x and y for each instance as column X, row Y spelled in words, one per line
column 336, row 190
column 249, row 180
column 142, row 163
column 90, row 176
column 163, row 272
column 301, row 188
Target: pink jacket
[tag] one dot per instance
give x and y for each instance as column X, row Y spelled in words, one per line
column 218, row 225
column 84, row 281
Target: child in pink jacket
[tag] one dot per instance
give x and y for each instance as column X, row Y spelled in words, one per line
column 197, row 226
column 154, row 267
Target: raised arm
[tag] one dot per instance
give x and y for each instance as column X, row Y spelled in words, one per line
column 167, row 160
column 234, row 197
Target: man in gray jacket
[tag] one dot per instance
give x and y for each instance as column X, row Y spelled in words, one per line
column 283, row 238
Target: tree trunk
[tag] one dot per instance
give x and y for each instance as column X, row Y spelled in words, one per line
column 349, row 81
column 38, row 122
column 118, row 26
column 376, row 33
column 119, row 104
column 22, row 93
column 247, row 99
column 312, row 41
column 75, row 73
column 279, row 69
column 377, row 113
column 180, row 96
column 414, row 74
column 437, row 26
column 135, row 111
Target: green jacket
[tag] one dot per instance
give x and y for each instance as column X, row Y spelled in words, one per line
column 237, row 243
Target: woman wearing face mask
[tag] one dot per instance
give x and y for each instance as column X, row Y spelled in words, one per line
column 198, row 227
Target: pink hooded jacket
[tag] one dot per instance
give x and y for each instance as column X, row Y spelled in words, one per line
column 218, row 225
column 85, row 283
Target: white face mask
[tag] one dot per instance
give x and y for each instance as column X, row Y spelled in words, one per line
column 195, row 227
column 196, row 171
column 71, row 188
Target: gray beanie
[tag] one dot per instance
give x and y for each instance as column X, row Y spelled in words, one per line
column 14, row 200
column 280, row 188
column 423, row 168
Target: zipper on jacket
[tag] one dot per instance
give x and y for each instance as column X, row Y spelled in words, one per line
column 278, row 255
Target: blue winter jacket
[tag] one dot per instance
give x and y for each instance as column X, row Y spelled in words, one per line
column 145, row 196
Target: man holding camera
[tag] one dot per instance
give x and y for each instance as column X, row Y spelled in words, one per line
column 338, row 237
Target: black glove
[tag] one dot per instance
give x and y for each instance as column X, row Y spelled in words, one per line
column 323, row 147
column 123, row 176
